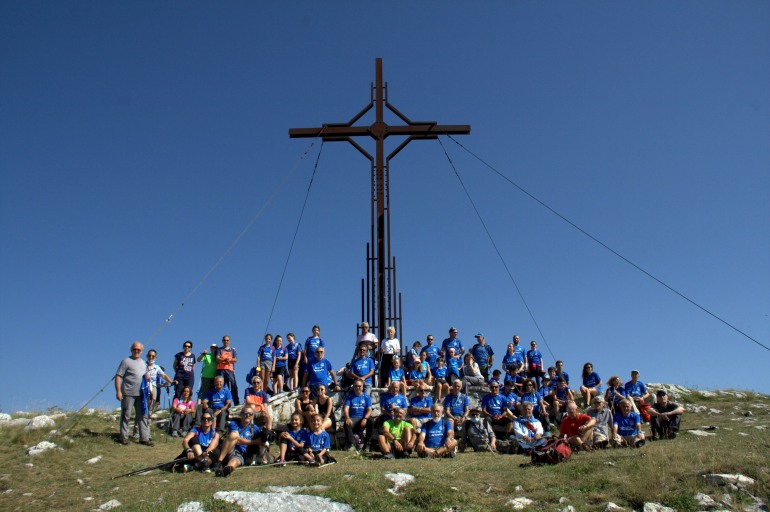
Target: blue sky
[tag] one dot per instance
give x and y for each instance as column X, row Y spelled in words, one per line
column 138, row 139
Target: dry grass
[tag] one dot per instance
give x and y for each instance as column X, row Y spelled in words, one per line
column 666, row 472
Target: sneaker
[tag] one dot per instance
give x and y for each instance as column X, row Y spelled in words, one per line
column 388, row 456
column 174, row 434
column 282, row 462
column 453, row 453
column 639, row 443
column 204, row 467
column 227, row 471
column 184, row 433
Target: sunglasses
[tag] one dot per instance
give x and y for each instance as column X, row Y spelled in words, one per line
column 206, row 418
column 247, row 414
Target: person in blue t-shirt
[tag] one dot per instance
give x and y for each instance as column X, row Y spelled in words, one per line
column 419, row 407
column 531, row 395
column 614, row 394
column 431, row 352
column 637, row 391
column 452, row 342
column 493, row 406
column 519, row 350
column 362, row 367
column 241, row 444
column 357, row 413
column 389, row 402
column 318, row 443
column 416, row 377
column 309, row 351
column 437, row 436
column 294, row 351
column 320, row 372
column 440, row 383
column 201, row 444
column 219, row 400
column 560, row 371
column 293, row 440
column 592, row 384
column 280, row 361
column 396, row 374
column 483, row 355
column 627, row 426
column 456, row 405
column 453, row 363
column 265, row 359
column 535, row 368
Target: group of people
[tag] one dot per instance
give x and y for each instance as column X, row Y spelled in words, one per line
column 425, row 410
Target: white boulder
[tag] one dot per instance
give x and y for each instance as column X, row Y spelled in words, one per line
column 40, row 422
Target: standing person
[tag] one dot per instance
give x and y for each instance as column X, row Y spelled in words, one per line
column 389, row 348
column 483, row 354
column 368, row 339
column 592, row 384
column 511, row 358
column 432, row 353
column 265, row 360
column 637, row 391
column 357, row 413
column 362, row 367
column 280, row 360
column 208, row 359
column 293, row 350
column 308, row 352
column 535, row 363
column 184, row 368
column 519, row 350
column 155, row 374
column 129, row 392
column 320, row 373
column 226, row 359
column 665, row 417
column 452, row 342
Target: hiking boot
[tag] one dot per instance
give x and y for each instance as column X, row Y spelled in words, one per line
column 148, row 443
column 227, row 471
column 174, row 434
column 388, row 456
column 204, row 467
column 639, row 443
column 124, row 442
column 217, row 468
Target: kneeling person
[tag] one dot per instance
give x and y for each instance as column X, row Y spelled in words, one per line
column 397, row 437
column 437, row 436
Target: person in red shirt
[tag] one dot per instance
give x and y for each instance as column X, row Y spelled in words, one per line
column 577, row 428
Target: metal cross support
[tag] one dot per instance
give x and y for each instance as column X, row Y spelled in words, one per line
column 381, row 309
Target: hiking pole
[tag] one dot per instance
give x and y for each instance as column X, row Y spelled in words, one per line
column 183, row 458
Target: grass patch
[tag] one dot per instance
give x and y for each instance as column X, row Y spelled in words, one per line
column 667, row 472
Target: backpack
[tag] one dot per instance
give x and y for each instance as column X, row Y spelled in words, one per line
column 553, row 452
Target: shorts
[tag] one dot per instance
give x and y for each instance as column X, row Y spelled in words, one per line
column 293, row 363
column 599, row 436
column 236, row 455
column 279, row 372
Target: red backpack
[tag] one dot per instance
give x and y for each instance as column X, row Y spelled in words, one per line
column 553, row 452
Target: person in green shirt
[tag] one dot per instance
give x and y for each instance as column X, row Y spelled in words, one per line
column 397, row 438
column 208, row 358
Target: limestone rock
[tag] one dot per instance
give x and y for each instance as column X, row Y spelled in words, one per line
column 701, row 433
column 279, row 502
column 4, row 418
column 705, row 502
column 520, row 503
column 40, row 422
column 110, row 505
column 657, row 507
column 739, row 481
column 612, row 507
column 40, row 447
column 192, row 506
column 94, row 460
column 399, row 480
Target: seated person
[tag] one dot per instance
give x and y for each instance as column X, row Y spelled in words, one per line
column 508, row 392
column 665, row 417
column 627, row 426
column 201, row 444
column 416, row 377
column 318, row 443
column 397, row 375
column 292, row 441
column 324, row 406
column 492, row 407
column 397, row 438
column 453, row 363
column 577, row 428
column 440, row 382
column 456, row 405
column 477, row 433
column 497, row 376
column 219, row 400
column 527, row 429
column 182, row 411
column 614, row 394
column 357, row 412
column 426, row 371
column 515, row 375
column 562, row 395
column 471, row 372
column 389, row 402
column 437, row 436
column 532, row 395
column 603, row 427
column 637, row 391
column 592, row 384
column 419, row 408
column 258, row 398
column 242, row 444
